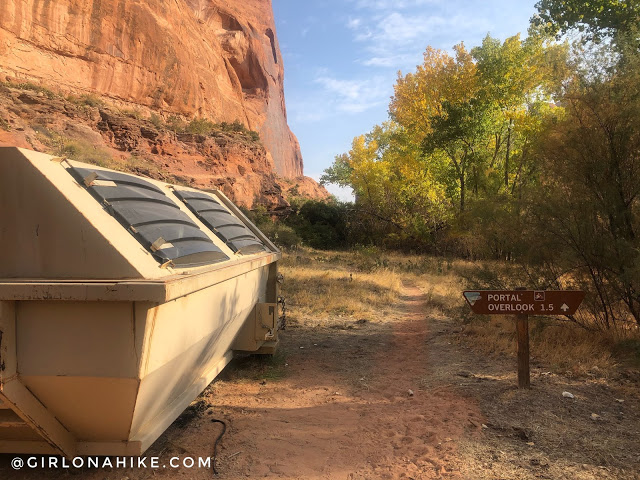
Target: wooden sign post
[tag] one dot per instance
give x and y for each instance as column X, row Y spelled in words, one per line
column 522, row 330
column 523, row 303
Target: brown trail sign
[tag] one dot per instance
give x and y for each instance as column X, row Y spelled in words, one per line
column 530, row 302
column 523, row 303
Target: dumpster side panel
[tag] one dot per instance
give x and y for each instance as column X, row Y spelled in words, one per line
column 93, row 339
column 92, row 409
column 191, row 340
column 251, row 337
column 80, row 360
column 182, row 323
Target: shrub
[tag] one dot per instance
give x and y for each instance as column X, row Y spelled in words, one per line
column 258, row 216
column 628, row 350
column 200, row 126
column 285, row 237
column 320, row 225
column 132, row 113
column 238, row 127
column 83, row 151
column 255, row 136
column 176, row 124
column 36, row 88
column 156, row 120
column 279, row 233
column 89, row 100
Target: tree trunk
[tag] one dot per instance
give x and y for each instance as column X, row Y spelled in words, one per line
column 475, row 181
column 462, row 189
column 508, row 154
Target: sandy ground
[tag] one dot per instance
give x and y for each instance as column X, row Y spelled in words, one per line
column 351, row 407
column 402, row 398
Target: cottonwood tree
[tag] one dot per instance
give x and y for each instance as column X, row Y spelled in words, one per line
column 517, row 76
column 587, row 211
column 439, row 108
column 596, row 20
column 397, row 198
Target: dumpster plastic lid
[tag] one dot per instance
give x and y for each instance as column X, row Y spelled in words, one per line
column 228, row 228
column 151, row 217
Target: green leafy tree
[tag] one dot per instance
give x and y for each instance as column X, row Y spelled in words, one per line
column 321, row 225
column 418, row 97
column 438, row 108
column 589, row 203
column 459, row 124
column 596, row 19
column 516, row 76
column 398, row 200
column 460, row 132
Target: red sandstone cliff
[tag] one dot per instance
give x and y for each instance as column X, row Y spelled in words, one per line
column 199, row 58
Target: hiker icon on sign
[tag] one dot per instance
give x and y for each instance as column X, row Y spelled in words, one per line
column 538, row 296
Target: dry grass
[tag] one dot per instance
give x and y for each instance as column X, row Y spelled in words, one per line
column 320, row 292
column 325, row 289
column 83, row 150
column 560, row 347
column 78, row 149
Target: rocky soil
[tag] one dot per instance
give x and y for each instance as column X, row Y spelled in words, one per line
column 88, row 129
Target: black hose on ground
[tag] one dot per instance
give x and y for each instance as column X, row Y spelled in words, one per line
column 215, row 445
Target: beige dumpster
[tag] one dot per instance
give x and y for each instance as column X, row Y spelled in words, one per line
column 121, row 299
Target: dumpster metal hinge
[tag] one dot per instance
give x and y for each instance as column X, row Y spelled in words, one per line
column 160, row 244
column 266, row 321
column 89, row 179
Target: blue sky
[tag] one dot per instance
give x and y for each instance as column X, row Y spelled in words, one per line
column 341, row 59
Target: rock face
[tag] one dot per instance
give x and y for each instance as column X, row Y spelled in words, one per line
column 217, row 59
column 91, row 131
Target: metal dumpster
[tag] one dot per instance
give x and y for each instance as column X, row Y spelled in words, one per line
column 121, row 299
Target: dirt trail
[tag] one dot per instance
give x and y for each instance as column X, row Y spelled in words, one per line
column 345, row 409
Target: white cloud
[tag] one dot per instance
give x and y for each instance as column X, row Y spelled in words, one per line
column 397, row 29
column 354, row 23
column 396, row 38
column 334, row 96
column 355, row 96
column 393, row 60
column 393, row 4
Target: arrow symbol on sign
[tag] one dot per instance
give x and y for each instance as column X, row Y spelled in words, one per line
column 564, row 307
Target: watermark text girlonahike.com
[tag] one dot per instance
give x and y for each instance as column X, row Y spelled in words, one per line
column 155, row 463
